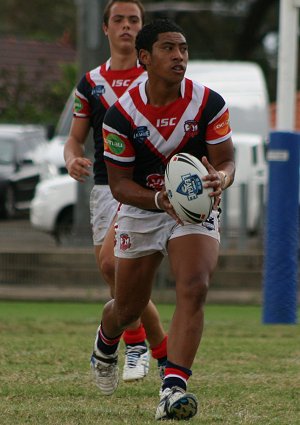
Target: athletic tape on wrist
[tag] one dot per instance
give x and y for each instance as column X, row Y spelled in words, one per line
column 156, row 200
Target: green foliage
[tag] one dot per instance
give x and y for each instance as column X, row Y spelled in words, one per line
column 46, row 20
column 222, row 30
column 25, row 105
column 245, row 373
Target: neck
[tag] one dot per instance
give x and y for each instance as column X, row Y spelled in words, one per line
column 160, row 94
column 120, row 61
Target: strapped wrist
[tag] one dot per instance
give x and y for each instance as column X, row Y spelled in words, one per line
column 156, row 201
column 225, row 177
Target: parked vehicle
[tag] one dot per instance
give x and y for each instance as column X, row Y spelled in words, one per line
column 54, row 163
column 22, row 150
column 243, row 203
column 53, row 206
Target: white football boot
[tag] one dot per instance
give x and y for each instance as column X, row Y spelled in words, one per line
column 175, row 403
column 136, row 364
column 105, row 369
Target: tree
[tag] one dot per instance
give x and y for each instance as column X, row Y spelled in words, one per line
column 39, row 19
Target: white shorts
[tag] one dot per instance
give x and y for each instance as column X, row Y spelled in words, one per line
column 139, row 232
column 103, row 208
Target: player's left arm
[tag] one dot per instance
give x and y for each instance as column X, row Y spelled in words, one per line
column 220, row 167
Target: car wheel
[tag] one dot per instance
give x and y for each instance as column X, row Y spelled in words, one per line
column 64, row 226
column 9, row 203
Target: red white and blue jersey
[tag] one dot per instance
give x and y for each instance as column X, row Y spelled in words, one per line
column 95, row 93
column 137, row 134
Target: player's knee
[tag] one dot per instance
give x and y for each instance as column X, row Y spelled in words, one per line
column 195, row 290
column 107, row 268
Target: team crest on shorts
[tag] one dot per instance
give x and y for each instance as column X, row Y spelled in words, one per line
column 124, row 242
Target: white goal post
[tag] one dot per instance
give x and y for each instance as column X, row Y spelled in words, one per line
column 287, row 64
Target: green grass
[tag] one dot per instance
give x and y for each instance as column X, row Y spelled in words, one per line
column 244, row 373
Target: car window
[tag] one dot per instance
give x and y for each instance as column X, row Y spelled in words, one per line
column 64, row 123
column 7, row 149
column 254, row 155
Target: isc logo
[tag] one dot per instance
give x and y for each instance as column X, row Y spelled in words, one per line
column 120, row 83
column 165, row 122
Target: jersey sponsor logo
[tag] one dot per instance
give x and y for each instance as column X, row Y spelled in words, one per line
column 115, row 144
column 98, row 90
column 222, row 124
column 78, row 106
column 140, row 134
column 191, row 128
column 125, row 242
column 166, row 122
column 120, row 83
column 155, row 181
column 190, row 186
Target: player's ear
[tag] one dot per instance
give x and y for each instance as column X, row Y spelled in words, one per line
column 144, row 57
column 104, row 28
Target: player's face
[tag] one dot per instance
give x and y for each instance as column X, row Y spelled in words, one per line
column 169, row 56
column 124, row 23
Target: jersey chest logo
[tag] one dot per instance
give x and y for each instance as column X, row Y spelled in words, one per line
column 120, row 83
column 166, row 122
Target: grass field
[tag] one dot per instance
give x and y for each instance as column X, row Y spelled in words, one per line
column 244, row 373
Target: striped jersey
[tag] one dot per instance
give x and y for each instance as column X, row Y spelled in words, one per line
column 95, row 93
column 137, row 134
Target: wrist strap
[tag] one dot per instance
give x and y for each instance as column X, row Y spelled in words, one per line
column 156, row 200
column 224, row 179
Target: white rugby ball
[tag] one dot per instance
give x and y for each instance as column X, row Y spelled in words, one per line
column 184, row 186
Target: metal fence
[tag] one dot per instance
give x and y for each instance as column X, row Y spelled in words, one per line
column 240, row 236
column 31, row 259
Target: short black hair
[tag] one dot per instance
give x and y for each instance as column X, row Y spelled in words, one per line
column 148, row 35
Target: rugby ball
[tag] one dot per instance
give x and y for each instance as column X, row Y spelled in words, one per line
column 184, row 186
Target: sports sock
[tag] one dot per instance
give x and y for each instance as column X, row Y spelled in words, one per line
column 135, row 336
column 105, row 344
column 159, row 352
column 175, row 376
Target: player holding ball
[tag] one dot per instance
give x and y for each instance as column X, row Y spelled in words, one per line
column 161, row 117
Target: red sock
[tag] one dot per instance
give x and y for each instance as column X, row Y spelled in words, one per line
column 105, row 344
column 176, row 376
column 160, row 350
column 134, row 336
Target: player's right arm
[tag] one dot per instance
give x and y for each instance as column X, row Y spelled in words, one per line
column 77, row 165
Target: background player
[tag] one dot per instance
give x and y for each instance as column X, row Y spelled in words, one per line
column 97, row 90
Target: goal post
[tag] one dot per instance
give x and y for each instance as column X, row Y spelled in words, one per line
column 282, row 230
column 281, row 250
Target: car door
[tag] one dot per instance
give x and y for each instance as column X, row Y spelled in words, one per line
column 26, row 175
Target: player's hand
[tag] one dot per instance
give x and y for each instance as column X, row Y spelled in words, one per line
column 213, row 179
column 164, row 203
column 78, row 168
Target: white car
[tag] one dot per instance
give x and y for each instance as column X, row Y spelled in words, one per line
column 55, row 199
column 52, row 207
column 243, row 203
column 22, row 151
